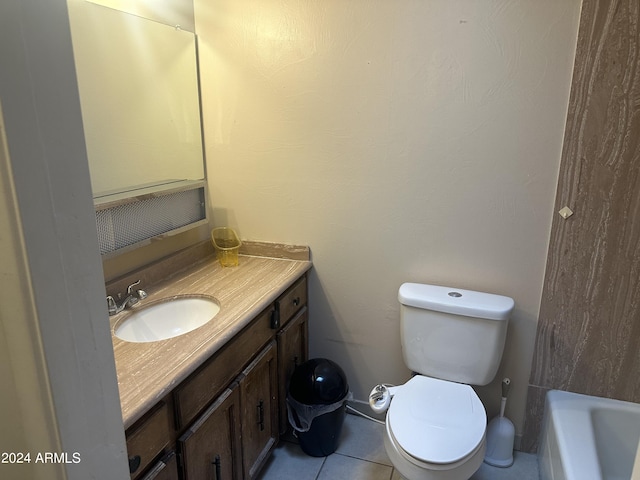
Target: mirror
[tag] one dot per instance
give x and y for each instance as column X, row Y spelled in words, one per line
column 139, row 95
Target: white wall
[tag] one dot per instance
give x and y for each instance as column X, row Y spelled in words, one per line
column 403, row 141
column 63, row 341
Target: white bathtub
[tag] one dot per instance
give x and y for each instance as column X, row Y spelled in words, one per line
column 588, row 438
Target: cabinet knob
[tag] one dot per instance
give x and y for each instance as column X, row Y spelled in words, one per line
column 296, row 301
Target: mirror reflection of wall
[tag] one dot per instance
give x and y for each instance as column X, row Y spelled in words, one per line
column 169, row 12
column 139, row 95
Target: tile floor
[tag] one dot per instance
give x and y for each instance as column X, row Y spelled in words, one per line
column 361, row 456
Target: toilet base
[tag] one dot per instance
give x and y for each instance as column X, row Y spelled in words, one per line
column 462, row 470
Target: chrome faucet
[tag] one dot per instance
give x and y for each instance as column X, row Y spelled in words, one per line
column 130, row 300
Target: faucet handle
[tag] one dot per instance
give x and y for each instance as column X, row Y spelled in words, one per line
column 141, row 294
column 111, row 305
column 131, row 286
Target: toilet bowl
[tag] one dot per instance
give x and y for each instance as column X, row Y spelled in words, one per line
column 435, row 430
column 451, row 338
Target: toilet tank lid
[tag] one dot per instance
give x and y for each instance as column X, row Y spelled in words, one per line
column 456, row 301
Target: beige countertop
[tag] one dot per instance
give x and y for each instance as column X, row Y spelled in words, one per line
column 149, row 371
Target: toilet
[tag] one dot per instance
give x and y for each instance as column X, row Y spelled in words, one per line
column 451, row 338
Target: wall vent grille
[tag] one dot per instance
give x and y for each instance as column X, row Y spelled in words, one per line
column 133, row 224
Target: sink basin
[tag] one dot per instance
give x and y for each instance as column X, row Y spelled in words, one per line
column 167, row 319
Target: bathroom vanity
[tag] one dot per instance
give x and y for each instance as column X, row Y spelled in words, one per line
column 210, row 404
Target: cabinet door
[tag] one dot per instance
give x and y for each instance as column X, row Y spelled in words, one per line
column 210, row 449
column 293, row 349
column 258, row 397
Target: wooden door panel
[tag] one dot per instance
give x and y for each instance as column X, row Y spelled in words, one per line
column 210, row 449
column 258, row 390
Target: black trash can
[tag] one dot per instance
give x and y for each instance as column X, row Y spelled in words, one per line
column 316, row 405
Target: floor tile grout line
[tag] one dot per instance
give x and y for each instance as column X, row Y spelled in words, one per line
column 321, row 467
column 363, row 459
column 354, row 458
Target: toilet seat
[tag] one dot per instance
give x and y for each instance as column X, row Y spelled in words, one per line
column 436, row 421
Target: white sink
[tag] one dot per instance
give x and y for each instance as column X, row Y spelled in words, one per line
column 167, row 319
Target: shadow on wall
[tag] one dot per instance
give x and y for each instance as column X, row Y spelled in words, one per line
column 329, row 338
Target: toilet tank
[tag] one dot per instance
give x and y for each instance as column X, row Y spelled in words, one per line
column 451, row 333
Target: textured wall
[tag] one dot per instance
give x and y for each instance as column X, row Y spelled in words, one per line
column 588, row 338
column 403, row 141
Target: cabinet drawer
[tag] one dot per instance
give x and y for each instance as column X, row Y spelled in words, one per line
column 148, row 438
column 292, row 300
column 197, row 391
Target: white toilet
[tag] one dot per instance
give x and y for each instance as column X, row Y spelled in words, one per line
column 435, row 426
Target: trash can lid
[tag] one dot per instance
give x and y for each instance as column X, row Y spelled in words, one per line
column 318, row 381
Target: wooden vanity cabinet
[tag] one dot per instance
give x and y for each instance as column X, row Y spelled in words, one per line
column 232, row 439
column 225, row 419
column 197, row 391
